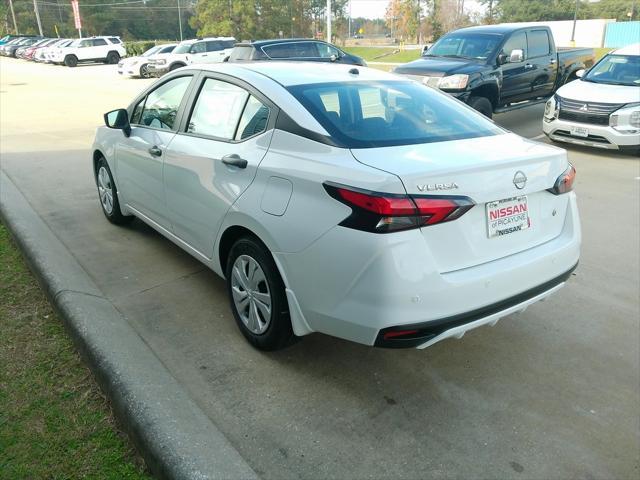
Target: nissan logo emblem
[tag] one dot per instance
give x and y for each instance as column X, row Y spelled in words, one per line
column 520, row 180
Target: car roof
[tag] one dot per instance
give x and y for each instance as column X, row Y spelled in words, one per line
column 633, row 49
column 274, row 41
column 283, row 73
column 500, row 28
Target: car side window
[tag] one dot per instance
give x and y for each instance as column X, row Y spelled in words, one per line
column 538, row 41
column 167, row 50
column 214, row 46
column 253, row 120
column 137, row 112
column 98, row 42
column 114, row 40
column 161, row 106
column 199, row 47
column 217, row 110
column 517, row 41
column 327, row 51
column 85, row 43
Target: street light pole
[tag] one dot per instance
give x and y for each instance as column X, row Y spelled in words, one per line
column 328, row 21
column 13, row 15
column 575, row 19
column 180, row 19
column 35, row 8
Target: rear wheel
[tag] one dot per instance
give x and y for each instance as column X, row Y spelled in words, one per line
column 71, row 60
column 482, row 104
column 113, row 58
column 257, row 294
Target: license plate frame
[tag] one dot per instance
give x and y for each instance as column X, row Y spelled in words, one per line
column 582, row 132
column 507, row 216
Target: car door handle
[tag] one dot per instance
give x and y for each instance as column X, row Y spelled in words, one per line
column 234, row 160
column 528, row 66
column 552, row 61
column 155, row 151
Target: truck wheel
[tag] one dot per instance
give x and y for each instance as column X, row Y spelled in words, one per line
column 481, row 104
column 71, row 60
column 113, row 58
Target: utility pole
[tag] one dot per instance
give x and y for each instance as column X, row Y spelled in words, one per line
column 179, row 19
column 35, row 8
column 328, row 21
column 13, row 15
column 349, row 19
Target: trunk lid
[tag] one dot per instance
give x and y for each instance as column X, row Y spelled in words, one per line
column 484, row 170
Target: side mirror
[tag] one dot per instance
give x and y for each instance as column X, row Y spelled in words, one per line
column 517, row 56
column 118, row 119
column 580, row 73
column 333, row 57
column 502, row 59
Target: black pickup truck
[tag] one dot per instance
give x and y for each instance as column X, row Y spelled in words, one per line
column 497, row 68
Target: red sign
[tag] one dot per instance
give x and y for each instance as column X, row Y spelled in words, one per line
column 76, row 14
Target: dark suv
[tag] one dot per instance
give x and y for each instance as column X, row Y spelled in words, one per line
column 298, row 49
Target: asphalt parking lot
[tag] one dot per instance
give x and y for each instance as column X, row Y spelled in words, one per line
column 551, row 393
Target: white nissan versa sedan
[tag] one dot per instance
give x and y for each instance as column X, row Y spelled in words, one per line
column 342, row 200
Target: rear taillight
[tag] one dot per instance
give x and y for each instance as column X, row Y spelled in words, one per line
column 564, row 182
column 386, row 212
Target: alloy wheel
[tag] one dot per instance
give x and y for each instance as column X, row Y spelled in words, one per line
column 105, row 190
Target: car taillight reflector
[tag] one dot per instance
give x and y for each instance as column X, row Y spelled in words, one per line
column 564, row 183
column 384, row 212
column 398, row 333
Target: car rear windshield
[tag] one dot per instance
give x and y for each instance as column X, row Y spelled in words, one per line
column 616, row 70
column 241, row 52
column 386, row 113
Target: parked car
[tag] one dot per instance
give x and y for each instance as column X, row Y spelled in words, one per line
column 42, row 54
column 7, row 38
column 51, row 54
column 139, row 66
column 105, row 49
column 342, row 200
column 10, row 48
column 188, row 52
column 26, row 53
column 602, row 108
column 498, row 68
column 299, row 49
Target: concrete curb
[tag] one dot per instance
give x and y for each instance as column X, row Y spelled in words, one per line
column 175, row 437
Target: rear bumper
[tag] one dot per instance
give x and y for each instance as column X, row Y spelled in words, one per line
column 428, row 333
column 600, row 136
column 358, row 286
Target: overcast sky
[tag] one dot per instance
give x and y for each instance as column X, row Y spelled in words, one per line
column 376, row 8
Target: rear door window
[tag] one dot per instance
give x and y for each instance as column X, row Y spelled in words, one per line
column 99, row 42
column 214, row 46
column 114, row 40
column 217, row 110
column 538, row 41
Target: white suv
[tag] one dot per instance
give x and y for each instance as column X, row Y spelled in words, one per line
column 189, row 52
column 94, row 49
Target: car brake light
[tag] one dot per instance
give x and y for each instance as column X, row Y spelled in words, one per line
column 386, row 212
column 564, row 183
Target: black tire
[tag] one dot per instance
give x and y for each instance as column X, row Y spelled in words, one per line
column 481, row 104
column 176, row 65
column 115, row 216
column 278, row 332
column 113, row 58
column 71, row 61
